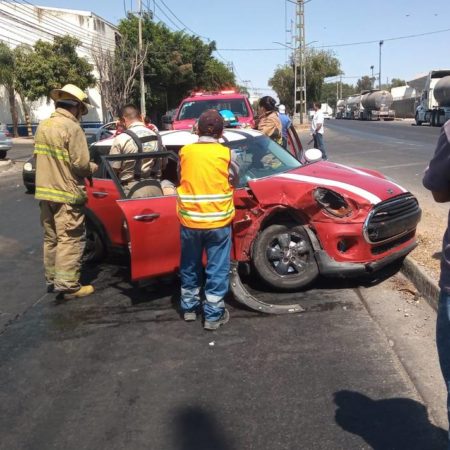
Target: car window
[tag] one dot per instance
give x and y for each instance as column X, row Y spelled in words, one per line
column 261, row 157
column 91, row 138
column 193, row 109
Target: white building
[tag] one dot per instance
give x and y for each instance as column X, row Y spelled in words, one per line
column 25, row 24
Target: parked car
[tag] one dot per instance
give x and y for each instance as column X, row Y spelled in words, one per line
column 297, row 216
column 5, row 143
column 92, row 135
column 193, row 106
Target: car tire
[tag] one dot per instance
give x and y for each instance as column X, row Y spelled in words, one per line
column 3, row 154
column 418, row 122
column 95, row 248
column 284, row 258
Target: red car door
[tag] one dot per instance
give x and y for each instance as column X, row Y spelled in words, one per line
column 102, row 197
column 154, row 235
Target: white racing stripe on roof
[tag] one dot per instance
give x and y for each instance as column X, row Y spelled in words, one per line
column 326, row 182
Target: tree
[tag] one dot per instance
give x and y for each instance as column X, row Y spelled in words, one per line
column 282, row 82
column 364, row 84
column 8, row 79
column 47, row 66
column 329, row 92
column 397, row 82
column 318, row 66
column 117, row 74
column 176, row 63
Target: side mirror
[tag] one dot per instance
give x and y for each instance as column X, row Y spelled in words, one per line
column 313, row 155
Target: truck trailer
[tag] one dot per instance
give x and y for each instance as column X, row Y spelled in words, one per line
column 376, row 105
column 434, row 103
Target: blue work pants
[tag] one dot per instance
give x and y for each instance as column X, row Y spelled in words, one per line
column 443, row 343
column 217, row 245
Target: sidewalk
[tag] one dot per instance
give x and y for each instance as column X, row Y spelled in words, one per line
column 23, row 140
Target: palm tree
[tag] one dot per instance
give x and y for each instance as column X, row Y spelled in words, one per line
column 7, row 79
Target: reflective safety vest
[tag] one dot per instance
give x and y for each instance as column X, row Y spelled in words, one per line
column 62, row 159
column 205, row 195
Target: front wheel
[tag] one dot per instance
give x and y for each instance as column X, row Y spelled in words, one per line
column 3, row 154
column 284, row 257
column 95, row 249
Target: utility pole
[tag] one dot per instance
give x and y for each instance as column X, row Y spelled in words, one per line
column 299, row 63
column 141, row 70
column 379, row 67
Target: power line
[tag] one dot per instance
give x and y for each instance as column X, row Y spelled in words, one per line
column 409, row 36
column 67, row 26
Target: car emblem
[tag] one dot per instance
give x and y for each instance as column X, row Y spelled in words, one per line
column 390, row 191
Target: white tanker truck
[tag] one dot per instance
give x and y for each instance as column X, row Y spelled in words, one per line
column 376, row 105
column 434, row 104
column 369, row 105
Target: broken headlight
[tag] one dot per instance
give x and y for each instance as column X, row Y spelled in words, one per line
column 332, row 202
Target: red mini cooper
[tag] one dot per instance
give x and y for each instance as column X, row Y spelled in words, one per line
column 297, row 216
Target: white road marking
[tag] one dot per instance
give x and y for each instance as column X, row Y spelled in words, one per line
column 421, row 163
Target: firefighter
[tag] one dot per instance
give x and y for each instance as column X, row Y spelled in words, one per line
column 62, row 164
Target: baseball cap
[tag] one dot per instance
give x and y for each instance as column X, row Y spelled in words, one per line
column 210, row 123
column 282, row 109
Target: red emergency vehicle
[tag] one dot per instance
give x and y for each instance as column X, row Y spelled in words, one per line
column 193, row 106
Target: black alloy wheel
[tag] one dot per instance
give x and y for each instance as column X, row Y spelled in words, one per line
column 95, row 249
column 284, row 257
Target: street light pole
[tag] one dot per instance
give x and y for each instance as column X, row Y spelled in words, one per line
column 379, row 67
column 141, row 70
column 372, row 79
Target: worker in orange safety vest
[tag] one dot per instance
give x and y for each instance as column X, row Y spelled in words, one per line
column 205, row 210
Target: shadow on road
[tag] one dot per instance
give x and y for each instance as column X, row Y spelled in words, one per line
column 394, row 424
column 198, row 429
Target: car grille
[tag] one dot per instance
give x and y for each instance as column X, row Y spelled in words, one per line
column 392, row 218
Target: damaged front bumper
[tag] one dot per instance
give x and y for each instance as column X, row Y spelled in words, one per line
column 329, row 267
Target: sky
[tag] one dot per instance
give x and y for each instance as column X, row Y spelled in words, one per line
column 257, row 24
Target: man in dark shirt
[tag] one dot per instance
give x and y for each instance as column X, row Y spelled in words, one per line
column 437, row 180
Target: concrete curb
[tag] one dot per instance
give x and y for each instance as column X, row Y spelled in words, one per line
column 5, row 165
column 426, row 286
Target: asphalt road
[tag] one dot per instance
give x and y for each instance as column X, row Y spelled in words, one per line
column 398, row 149
column 22, row 151
column 120, row 370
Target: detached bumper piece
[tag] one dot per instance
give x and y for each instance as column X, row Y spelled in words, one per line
column 241, row 295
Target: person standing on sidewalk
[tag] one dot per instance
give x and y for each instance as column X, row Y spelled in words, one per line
column 285, row 124
column 205, row 209
column 317, row 129
column 62, row 164
column 437, row 180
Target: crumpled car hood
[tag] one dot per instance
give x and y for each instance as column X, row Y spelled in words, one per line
column 296, row 185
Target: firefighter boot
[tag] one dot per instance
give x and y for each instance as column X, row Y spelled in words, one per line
column 84, row 291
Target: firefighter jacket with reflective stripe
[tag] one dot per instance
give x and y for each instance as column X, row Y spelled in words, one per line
column 62, row 159
column 205, row 195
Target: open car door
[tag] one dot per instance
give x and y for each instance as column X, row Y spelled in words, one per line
column 294, row 145
column 152, row 225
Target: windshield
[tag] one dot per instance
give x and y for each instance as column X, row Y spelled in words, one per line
column 261, row 157
column 193, row 110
